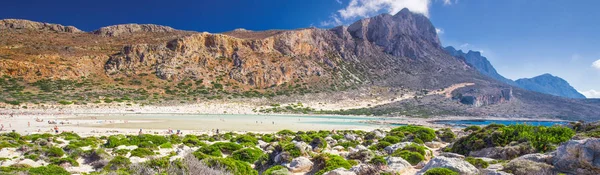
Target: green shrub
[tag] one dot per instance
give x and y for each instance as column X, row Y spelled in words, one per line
column 416, row 148
column 477, row 162
column 292, row 149
column 267, row 138
column 440, row 171
column 55, row 152
column 58, row 161
column 378, row 161
column 412, row 157
column 227, row 147
column 446, row 134
column 121, row 152
column 118, row 162
column 348, row 144
column 542, row 138
column 191, row 140
column 286, row 132
column 142, row 152
column 166, row 145
column 249, row 155
column 234, row 166
column 159, row 163
column 318, row 142
column 48, row 170
column 380, row 146
column 422, row 133
column 331, row 162
column 472, row 128
column 273, row 169
column 391, row 139
column 246, row 139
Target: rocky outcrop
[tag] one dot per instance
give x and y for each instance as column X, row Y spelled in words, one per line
column 300, row 164
column 459, row 165
column 506, row 153
column 480, row 63
column 365, row 169
column 478, row 97
column 578, row 157
column 127, row 29
column 31, row 25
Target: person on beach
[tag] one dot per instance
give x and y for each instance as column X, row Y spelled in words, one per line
column 56, row 129
column 28, row 124
column 140, row 133
column 217, row 131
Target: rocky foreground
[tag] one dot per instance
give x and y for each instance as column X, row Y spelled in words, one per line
column 493, row 149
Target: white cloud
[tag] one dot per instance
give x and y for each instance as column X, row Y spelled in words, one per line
column 596, row 64
column 447, row 2
column 464, row 45
column 439, row 31
column 591, row 93
column 338, row 1
column 366, row 8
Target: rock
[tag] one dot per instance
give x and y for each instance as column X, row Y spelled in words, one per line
column 303, row 146
column 362, row 155
column 364, row 169
column 282, row 158
column 390, row 149
column 456, row 164
column 338, row 148
column 330, row 140
column 398, row 164
column 506, row 153
column 262, row 144
column 527, row 167
column 452, row 155
column 434, row 144
column 31, row 25
column 537, row 157
column 300, row 164
column 65, row 165
column 578, row 156
column 493, row 172
column 350, row 137
column 30, row 163
column 125, row 29
column 340, row 171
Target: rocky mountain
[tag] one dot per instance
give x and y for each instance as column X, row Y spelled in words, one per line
column 399, row 55
column 546, row 83
column 31, row 25
column 549, row 84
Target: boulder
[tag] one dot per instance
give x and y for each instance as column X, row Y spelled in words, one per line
column 338, row 148
column 300, row 164
column 398, row 164
column 493, row 172
column 578, row 157
column 434, row 144
column 390, row 149
column 350, row 137
column 304, row 147
column 452, row 155
column 330, row 140
column 528, row 167
column 340, row 171
column 282, row 158
column 364, row 169
column 506, row 153
column 537, row 157
column 262, row 144
column 362, row 155
column 459, row 165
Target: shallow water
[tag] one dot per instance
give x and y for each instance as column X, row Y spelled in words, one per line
column 504, row 122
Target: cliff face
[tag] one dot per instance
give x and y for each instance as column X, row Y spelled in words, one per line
column 127, row 29
column 387, row 50
column 480, row 63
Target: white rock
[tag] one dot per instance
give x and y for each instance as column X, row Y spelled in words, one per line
column 456, row 164
column 398, row 164
column 390, row 149
column 340, row 171
column 300, row 164
column 578, row 157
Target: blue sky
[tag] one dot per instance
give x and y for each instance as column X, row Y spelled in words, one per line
column 522, row 38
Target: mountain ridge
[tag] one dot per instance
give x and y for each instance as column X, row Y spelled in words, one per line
column 401, row 53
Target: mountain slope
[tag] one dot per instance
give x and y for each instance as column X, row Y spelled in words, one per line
column 547, row 84
column 399, row 55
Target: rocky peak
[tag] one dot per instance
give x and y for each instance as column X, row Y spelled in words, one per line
column 125, row 29
column 32, row 25
column 393, row 32
column 549, row 84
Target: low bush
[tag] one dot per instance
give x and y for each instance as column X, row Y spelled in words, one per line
column 58, row 161
column 234, row 166
column 118, row 162
column 142, row 152
column 477, row 162
column 55, row 152
column 440, row 171
column 416, row 148
column 446, row 134
column 249, row 155
column 380, row 145
column 246, row 140
column 412, row 157
column 48, row 170
column 422, row 133
column 274, row 169
column 331, row 162
column 391, row 139
column 378, row 161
